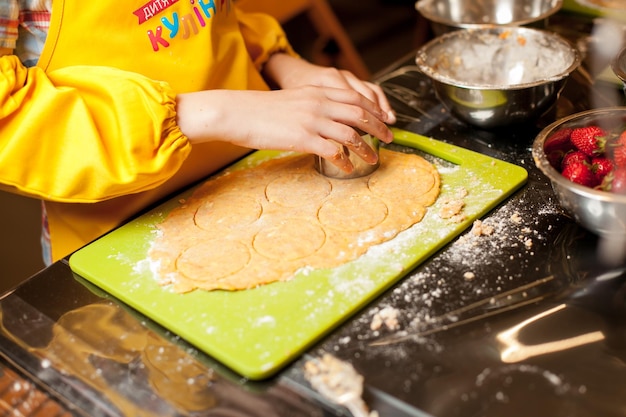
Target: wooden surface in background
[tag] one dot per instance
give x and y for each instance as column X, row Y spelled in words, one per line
column 20, row 229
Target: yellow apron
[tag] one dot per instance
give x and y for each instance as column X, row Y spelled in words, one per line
column 165, row 47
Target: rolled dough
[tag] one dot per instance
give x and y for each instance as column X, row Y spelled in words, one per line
column 259, row 225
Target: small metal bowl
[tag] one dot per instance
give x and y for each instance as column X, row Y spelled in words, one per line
column 445, row 16
column 601, row 212
column 493, row 77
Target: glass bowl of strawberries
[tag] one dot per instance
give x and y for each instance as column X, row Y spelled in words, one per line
column 584, row 156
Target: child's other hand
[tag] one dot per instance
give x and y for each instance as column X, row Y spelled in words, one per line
column 308, row 119
column 289, row 72
column 316, row 110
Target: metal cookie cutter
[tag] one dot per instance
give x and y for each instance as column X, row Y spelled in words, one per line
column 361, row 168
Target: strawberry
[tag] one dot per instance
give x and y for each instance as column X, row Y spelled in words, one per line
column 557, row 145
column 601, row 166
column 615, row 181
column 580, row 173
column 618, row 150
column 589, row 139
column 573, row 157
column 618, row 185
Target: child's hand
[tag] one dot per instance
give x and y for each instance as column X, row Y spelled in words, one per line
column 288, row 72
column 308, row 119
column 317, row 110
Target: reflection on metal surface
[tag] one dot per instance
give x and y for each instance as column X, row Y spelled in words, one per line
column 521, row 390
column 388, row 405
column 612, row 249
column 505, row 301
column 106, row 360
column 406, row 119
column 102, row 347
column 516, row 351
column 405, row 95
column 339, row 382
column 403, row 70
column 411, row 95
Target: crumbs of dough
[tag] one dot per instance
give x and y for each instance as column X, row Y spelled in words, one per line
column 336, row 379
column 482, row 229
column 387, row 316
column 469, row 276
column 452, row 206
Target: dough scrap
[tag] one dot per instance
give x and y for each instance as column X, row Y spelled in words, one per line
column 260, row 225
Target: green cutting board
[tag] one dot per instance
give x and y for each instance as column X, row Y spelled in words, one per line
column 257, row 332
column 588, row 8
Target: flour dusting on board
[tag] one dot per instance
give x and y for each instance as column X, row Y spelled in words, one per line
column 394, row 255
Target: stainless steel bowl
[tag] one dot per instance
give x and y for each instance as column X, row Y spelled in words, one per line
column 492, row 77
column 601, row 212
column 447, row 15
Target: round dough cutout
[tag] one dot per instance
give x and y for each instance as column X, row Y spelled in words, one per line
column 229, row 211
column 302, row 239
column 216, row 258
column 353, row 213
column 295, row 190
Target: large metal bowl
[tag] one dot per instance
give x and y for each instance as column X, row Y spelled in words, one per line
column 492, row 77
column 601, row 212
column 447, row 15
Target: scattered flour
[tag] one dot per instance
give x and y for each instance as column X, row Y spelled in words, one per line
column 462, row 274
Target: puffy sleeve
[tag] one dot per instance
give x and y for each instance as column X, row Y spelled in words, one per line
column 85, row 134
column 263, row 36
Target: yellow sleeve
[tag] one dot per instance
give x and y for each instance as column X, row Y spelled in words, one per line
column 263, row 36
column 85, row 134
